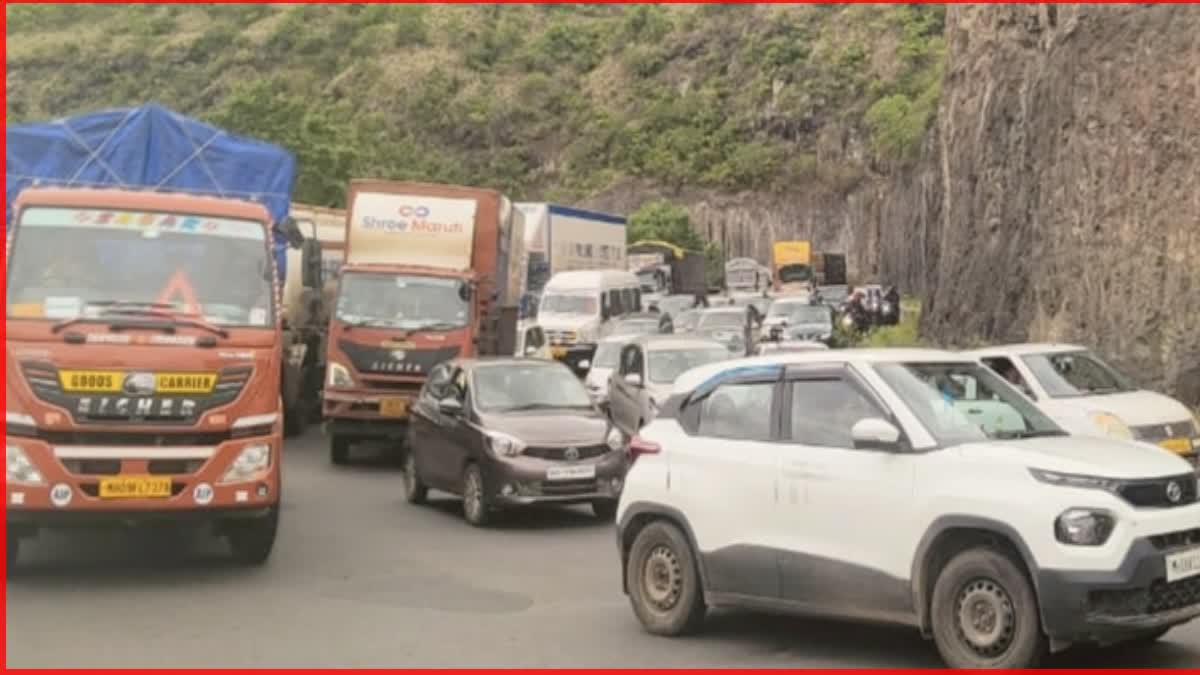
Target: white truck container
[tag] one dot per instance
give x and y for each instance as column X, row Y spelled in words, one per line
column 328, row 226
column 565, row 239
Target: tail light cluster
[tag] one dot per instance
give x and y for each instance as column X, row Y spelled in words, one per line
column 639, row 446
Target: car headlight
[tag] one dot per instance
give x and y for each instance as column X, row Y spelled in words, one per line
column 19, row 468
column 1112, row 425
column 338, row 376
column 616, row 440
column 1084, row 527
column 505, row 445
column 1075, row 480
column 252, row 460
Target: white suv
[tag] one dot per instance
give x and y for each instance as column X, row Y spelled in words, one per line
column 915, row 487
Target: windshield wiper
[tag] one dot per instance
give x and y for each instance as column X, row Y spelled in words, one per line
column 1021, row 435
column 437, row 326
column 157, row 310
column 539, row 406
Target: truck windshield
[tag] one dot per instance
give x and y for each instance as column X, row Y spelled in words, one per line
column 69, row 263
column 401, row 301
column 559, row 303
column 794, row 273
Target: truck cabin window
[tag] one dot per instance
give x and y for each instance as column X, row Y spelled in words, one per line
column 562, row 303
column 794, row 273
column 69, row 263
column 401, row 301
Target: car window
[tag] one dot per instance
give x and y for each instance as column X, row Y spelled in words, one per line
column 738, row 411
column 825, row 411
column 607, row 355
column 1076, row 374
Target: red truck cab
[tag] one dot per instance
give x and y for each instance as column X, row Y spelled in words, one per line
column 143, row 353
column 431, row 273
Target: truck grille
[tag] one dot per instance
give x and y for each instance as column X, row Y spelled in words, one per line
column 562, row 337
column 1157, row 493
column 560, row 454
column 1155, row 433
column 1160, row 597
column 112, row 467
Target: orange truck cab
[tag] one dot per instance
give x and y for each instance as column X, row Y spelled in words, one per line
column 431, row 272
column 143, row 356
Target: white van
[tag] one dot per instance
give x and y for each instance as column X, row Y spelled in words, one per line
column 574, row 304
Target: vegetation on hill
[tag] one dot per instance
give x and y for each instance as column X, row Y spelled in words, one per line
column 543, row 101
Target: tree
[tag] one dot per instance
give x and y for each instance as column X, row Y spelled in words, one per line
column 664, row 221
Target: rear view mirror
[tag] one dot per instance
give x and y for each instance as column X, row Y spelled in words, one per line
column 873, row 433
column 633, row 379
column 450, row 406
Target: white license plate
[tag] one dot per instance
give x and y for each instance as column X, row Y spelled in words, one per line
column 1183, row 565
column 571, row 472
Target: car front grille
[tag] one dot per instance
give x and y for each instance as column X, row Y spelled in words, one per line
column 1155, row 433
column 1159, row 597
column 566, row 488
column 1174, row 540
column 560, row 454
column 1157, row 493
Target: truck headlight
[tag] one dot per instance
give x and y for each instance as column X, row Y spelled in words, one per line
column 338, row 376
column 19, row 468
column 1084, row 527
column 504, row 445
column 1112, row 425
column 252, row 460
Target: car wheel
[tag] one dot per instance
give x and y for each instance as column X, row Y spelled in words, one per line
column 415, row 490
column 664, row 581
column 476, row 505
column 605, row 509
column 252, row 540
column 985, row 613
column 339, row 449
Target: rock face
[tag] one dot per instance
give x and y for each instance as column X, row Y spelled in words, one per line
column 1057, row 199
column 1069, row 151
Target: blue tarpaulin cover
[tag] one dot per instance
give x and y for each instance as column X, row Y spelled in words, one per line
column 149, row 147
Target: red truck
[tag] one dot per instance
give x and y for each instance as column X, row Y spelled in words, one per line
column 431, row 272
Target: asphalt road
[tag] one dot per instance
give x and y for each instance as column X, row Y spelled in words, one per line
column 360, row 578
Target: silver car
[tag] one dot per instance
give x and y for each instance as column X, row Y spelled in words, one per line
column 646, row 371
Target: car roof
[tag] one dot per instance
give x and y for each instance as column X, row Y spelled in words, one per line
column 805, row 300
column 639, row 316
column 1024, row 349
column 674, row 341
column 476, row 361
column 621, row 337
column 590, row 279
column 726, row 309
column 697, row 376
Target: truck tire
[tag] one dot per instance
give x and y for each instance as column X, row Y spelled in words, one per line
column 985, row 612
column 251, row 541
column 339, row 449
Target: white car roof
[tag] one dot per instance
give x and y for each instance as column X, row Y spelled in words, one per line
column 695, row 377
column 589, row 280
column 655, row 343
column 1025, row 349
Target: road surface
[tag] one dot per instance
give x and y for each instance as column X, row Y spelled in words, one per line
column 360, row 578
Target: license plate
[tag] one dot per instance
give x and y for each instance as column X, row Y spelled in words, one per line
column 1183, row 565
column 135, row 487
column 1181, row 446
column 393, row 407
column 558, row 352
column 571, row 472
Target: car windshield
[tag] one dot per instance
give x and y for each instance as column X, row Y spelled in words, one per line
column 69, row 263
column 1079, row 373
column 634, row 327
column 665, row 365
column 563, row 303
column 607, row 355
column 965, row 402
column 686, row 321
column 709, row 320
column 511, row 387
column 800, row 313
column 401, row 301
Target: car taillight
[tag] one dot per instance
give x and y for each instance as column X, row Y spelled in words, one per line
column 640, row 446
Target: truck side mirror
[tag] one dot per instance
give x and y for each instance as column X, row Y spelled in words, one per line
column 310, row 264
column 291, row 230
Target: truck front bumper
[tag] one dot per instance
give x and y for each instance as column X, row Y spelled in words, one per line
column 367, row 413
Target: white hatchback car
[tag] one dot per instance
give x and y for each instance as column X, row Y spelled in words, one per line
column 1088, row 397
column 859, row 484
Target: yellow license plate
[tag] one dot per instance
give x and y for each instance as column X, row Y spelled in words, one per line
column 393, row 407
column 135, row 487
column 1181, row 446
column 558, row 352
column 98, row 381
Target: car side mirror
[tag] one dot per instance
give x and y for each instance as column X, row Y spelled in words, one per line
column 450, row 406
column 585, row 364
column 873, row 433
column 633, row 379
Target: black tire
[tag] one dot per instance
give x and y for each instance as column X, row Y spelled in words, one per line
column 251, row 541
column 985, row 613
column 605, row 509
column 1147, row 640
column 339, row 449
column 477, row 507
column 415, row 490
column 12, row 551
column 664, row 581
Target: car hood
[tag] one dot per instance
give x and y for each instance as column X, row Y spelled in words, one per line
column 567, row 321
column 1134, row 408
column 550, row 428
column 1083, row 455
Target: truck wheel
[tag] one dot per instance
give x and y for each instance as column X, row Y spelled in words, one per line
column 985, row 613
column 477, row 507
column 415, row 489
column 339, row 449
column 252, row 540
column 664, row 581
